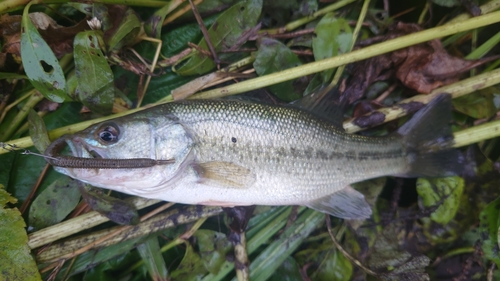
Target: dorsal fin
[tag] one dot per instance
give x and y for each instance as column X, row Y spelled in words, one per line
column 324, row 103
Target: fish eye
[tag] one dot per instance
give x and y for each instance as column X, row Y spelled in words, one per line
column 108, row 133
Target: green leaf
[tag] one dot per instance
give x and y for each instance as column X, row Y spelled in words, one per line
column 224, row 33
column 126, row 31
column 288, row 270
column 38, row 132
column 334, row 266
column 17, row 263
column 190, row 268
column 274, row 56
column 447, row 3
column 443, row 194
column 264, row 265
column 114, row 209
column 153, row 25
column 40, row 63
column 213, row 248
column 489, row 231
column 151, row 255
column 333, row 37
column 7, row 75
column 121, row 250
column 95, row 78
column 54, row 203
column 483, row 103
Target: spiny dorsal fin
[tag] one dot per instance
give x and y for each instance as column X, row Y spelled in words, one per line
column 346, row 204
column 324, row 103
column 225, row 174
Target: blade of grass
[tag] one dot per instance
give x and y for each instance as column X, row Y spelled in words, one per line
column 264, row 265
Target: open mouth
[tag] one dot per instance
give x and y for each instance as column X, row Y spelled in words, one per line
column 85, row 158
column 80, row 149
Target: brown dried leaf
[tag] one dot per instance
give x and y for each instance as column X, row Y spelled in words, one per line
column 59, row 38
column 423, row 67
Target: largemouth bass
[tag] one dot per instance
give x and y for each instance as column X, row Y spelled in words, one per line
column 231, row 153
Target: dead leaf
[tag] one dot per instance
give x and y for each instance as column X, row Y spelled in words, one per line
column 59, row 38
column 423, row 67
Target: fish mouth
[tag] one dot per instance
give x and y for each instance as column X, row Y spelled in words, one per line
column 80, row 149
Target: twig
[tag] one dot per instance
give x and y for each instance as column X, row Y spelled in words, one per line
column 179, row 13
column 199, row 49
column 346, row 254
column 27, row 201
column 204, row 30
column 456, row 90
column 289, row 34
column 356, row 55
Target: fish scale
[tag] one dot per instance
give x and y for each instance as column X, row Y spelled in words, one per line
column 228, row 153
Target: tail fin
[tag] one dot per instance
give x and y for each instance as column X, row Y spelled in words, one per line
column 429, row 141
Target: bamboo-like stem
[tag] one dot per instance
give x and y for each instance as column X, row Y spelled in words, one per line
column 456, row 90
column 357, row 55
column 21, row 115
column 300, row 71
column 355, row 33
column 118, row 234
column 477, row 133
column 75, row 225
column 11, row 5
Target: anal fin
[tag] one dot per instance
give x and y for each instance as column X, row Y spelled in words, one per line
column 225, row 174
column 346, row 204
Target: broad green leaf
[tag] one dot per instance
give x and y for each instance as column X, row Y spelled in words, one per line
column 274, row 56
column 213, row 247
column 6, row 163
column 334, row 266
column 288, row 270
column 489, row 231
column 38, row 132
column 224, row 33
column 16, row 261
column 443, row 194
column 483, row 103
column 190, row 268
column 114, row 209
column 40, row 63
column 175, row 40
column 333, row 37
column 95, row 78
column 151, row 255
column 125, row 32
column 54, row 203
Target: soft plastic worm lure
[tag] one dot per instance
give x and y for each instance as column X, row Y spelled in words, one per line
column 52, row 157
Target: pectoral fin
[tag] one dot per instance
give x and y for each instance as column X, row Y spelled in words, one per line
column 225, row 174
column 346, row 204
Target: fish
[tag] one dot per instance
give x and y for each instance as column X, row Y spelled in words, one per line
column 237, row 153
